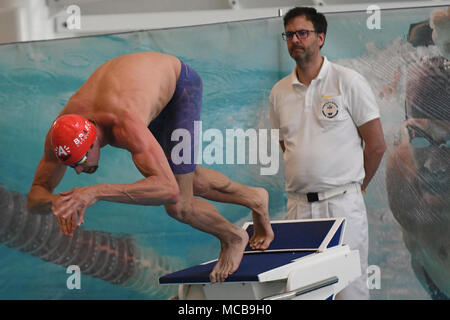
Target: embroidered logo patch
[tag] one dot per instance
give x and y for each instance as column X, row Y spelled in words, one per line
column 330, row 109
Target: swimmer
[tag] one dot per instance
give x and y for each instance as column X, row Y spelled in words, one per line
column 417, row 168
column 417, row 178
column 135, row 102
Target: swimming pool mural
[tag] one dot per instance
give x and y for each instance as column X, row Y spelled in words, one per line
column 123, row 249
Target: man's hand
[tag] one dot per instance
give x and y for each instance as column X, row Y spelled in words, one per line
column 69, row 209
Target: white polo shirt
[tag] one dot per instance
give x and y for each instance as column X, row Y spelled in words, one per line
column 318, row 125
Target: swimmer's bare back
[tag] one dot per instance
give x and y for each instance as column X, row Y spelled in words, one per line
column 141, row 83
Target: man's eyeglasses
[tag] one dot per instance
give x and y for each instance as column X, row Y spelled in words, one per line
column 82, row 161
column 301, row 34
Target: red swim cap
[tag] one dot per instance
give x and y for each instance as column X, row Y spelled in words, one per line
column 72, row 136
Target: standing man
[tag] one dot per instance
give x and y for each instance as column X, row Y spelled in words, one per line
column 135, row 102
column 331, row 136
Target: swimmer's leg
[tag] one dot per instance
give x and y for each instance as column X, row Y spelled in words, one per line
column 215, row 186
column 202, row 215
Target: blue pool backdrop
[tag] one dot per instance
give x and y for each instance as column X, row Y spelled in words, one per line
column 239, row 63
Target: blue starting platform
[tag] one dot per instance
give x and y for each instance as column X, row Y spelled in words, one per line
column 306, row 260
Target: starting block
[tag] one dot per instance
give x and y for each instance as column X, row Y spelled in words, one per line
column 307, row 260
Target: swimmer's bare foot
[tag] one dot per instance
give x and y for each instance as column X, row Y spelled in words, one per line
column 263, row 233
column 230, row 256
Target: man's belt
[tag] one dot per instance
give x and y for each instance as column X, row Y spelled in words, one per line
column 320, row 196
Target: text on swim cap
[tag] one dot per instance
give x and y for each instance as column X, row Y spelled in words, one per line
column 83, row 136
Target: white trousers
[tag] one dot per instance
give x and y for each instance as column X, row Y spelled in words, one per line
column 352, row 207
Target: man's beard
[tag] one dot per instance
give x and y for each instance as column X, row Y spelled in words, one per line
column 302, row 58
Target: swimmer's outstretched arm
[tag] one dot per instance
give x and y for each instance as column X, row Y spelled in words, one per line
column 47, row 177
column 159, row 186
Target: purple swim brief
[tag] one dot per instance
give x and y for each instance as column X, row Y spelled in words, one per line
column 180, row 113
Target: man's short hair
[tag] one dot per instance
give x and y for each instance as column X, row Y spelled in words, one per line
column 318, row 19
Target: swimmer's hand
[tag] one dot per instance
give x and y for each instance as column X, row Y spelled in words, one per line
column 69, row 209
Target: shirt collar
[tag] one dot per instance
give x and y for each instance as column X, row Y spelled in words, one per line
column 321, row 75
column 323, row 69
